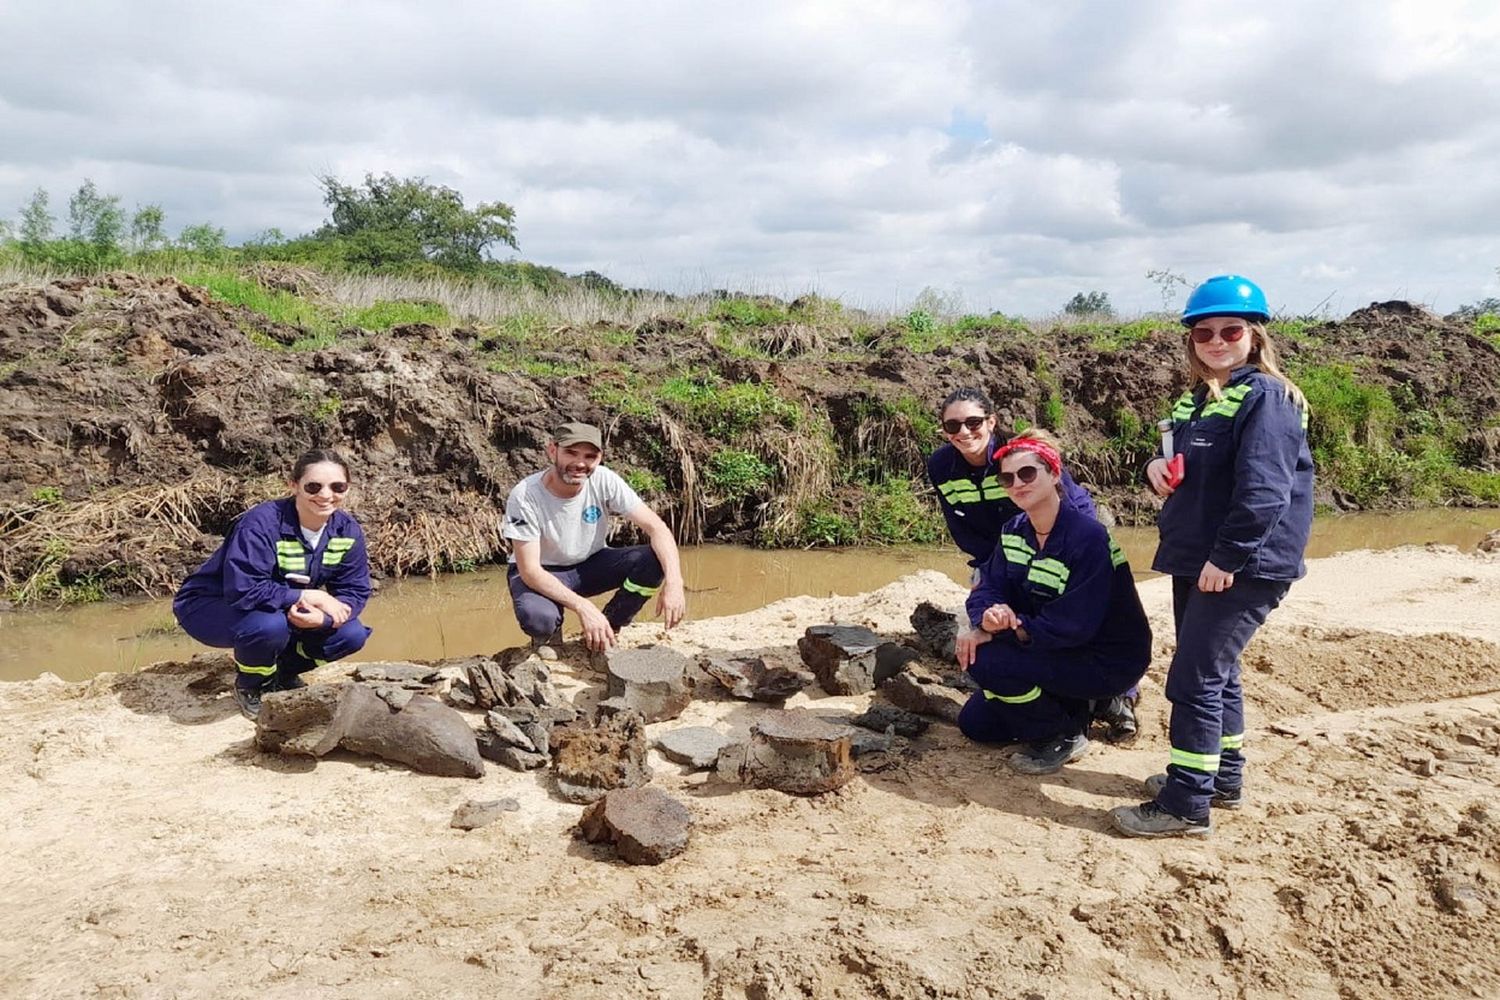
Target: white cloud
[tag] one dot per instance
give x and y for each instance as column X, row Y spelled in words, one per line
column 1015, row 152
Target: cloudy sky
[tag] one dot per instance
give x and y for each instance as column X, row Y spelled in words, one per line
column 1006, row 154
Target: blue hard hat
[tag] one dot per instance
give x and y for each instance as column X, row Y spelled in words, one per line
column 1226, row 295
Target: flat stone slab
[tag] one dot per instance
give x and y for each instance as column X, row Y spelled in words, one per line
column 412, row 676
column 646, row 825
column 842, row 657
column 473, row 815
column 653, row 680
column 793, row 751
column 696, row 746
column 882, row 717
column 756, row 674
column 924, row 691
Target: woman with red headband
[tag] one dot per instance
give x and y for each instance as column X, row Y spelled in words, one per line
column 1057, row 623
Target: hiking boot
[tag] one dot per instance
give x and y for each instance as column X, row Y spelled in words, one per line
column 1118, row 718
column 1224, row 798
column 1049, row 756
column 248, row 699
column 1150, row 820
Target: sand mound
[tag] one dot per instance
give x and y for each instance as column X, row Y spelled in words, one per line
column 151, row 852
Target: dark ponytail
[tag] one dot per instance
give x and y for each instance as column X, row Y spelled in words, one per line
column 967, row 394
column 313, row 457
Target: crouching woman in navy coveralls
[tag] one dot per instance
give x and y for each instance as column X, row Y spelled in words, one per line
column 1233, row 530
column 1057, row 621
column 286, row 587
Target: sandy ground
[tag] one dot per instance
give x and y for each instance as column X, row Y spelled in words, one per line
column 149, row 851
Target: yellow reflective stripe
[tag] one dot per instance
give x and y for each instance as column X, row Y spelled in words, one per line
column 1056, row 567
column 1183, row 408
column 312, row 659
column 257, row 671
column 990, row 488
column 957, row 491
column 289, row 565
column 1234, row 742
column 1116, row 554
column 331, row 558
column 1017, row 699
column 636, row 588
column 340, row 544
column 1196, row 761
column 1049, row 573
column 291, row 557
column 1016, row 549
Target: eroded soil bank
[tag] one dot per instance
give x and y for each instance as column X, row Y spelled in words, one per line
column 151, row 852
column 140, row 415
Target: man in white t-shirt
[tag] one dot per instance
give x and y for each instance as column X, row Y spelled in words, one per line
column 558, row 523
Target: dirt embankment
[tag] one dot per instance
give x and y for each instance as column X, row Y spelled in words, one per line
column 168, row 412
column 151, row 852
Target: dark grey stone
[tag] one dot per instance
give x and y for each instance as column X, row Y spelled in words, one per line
column 937, row 628
column 507, row 732
column 881, row 717
column 646, row 825
column 755, row 675
column 652, row 680
column 890, row 657
column 922, row 690
column 841, row 656
column 862, row 741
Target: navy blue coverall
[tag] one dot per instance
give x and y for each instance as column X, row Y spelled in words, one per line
column 1087, row 634
column 1245, row 505
column 239, row 598
column 975, row 504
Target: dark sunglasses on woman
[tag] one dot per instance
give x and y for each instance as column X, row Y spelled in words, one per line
column 313, row 489
column 1026, row 474
column 1203, row 334
column 972, row 423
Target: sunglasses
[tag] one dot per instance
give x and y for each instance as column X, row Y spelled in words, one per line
column 1026, row 474
column 1203, row 334
column 313, row 489
column 972, row 423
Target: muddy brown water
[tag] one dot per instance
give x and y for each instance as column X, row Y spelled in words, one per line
column 420, row 618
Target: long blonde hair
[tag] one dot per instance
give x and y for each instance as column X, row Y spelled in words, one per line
column 1262, row 356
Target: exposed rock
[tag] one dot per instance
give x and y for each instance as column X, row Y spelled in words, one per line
column 540, row 735
column 1490, row 542
column 841, row 656
column 411, row 676
column 422, row 734
column 923, row 690
column 792, row 751
column 1459, row 895
column 473, row 815
column 396, row 697
column 882, row 717
column 518, row 685
column 937, row 628
column 652, row 680
column 590, row 760
column 695, row 746
column 646, row 825
column 862, row 741
column 514, row 757
column 890, row 657
column 507, row 731
column 755, row 675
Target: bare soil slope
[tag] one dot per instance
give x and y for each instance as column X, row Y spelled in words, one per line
column 149, row 851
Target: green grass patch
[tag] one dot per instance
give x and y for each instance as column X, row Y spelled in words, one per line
column 628, row 395
column 1110, row 339
column 725, row 410
column 385, row 315
column 747, row 312
column 893, row 514
column 817, row 524
column 735, row 474
column 644, row 481
column 277, row 306
column 1488, row 327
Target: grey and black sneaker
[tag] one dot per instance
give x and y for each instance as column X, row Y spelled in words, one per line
column 1117, row 715
column 1049, row 756
column 1150, row 820
column 248, row 700
column 1224, row 798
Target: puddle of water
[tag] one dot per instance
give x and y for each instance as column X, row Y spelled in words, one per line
column 461, row 615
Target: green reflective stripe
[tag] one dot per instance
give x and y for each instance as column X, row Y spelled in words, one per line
column 990, row 488
column 257, row 671
column 1049, row 573
column 302, row 652
column 290, row 565
column 1234, row 742
column 341, row 544
column 291, row 557
column 957, row 491
column 1234, row 396
column 1116, row 554
column 1016, row 549
column 1183, row 408
column 1017, row 699
column 636, row 588
column 1196, row 761
column 1304, row 419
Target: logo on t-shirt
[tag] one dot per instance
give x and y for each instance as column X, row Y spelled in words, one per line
column 591, row 514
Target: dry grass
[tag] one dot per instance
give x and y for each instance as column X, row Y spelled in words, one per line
column 690, row 514
column 808, row 462
column 429, row 542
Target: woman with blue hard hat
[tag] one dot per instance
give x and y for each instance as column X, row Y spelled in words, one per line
column 963, row 472
column 286, row 587
column 1238, row 510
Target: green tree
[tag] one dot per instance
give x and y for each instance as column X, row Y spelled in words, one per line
column 146, row 228
column 203, row 238
column 1089, row 304
column 391, row 222
column 95, row 218
column 36, row 221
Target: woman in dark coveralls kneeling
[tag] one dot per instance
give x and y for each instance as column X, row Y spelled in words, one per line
column 1057, row 623
column 286, row 587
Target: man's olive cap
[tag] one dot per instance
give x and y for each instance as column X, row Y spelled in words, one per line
column 577, row 433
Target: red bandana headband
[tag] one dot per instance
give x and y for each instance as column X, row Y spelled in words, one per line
column 1040, row 449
